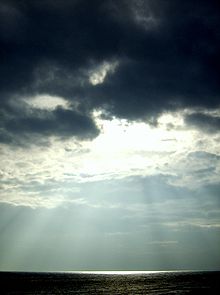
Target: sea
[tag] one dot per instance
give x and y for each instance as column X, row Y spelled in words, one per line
column 111, row 282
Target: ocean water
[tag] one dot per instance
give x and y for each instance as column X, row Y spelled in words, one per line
column 110, row 282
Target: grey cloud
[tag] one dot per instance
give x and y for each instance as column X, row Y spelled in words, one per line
column 202, row 155
column 205, row 122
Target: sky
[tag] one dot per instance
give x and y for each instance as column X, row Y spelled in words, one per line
column 109, row 135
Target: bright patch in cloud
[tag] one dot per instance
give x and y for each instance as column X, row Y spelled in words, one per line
column 46, row 102
column 98, row 75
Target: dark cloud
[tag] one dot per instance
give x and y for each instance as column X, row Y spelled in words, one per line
column 203, row 121
column 167, row 54
column 60, row 122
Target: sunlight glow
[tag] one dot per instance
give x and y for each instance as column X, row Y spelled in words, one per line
column 124, row 147
column 120, row 135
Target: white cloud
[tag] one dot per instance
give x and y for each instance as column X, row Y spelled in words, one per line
column 46, row 102
column 122, row 149
column 98, row 75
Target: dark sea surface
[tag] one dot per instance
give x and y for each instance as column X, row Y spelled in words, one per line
column 110, row 282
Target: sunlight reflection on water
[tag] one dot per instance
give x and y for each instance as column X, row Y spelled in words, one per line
column 110, row 282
